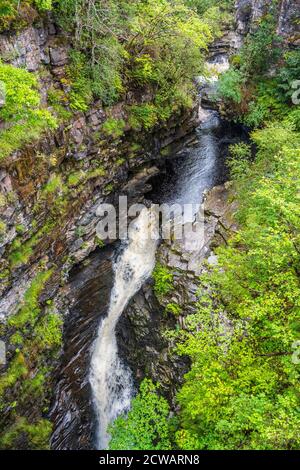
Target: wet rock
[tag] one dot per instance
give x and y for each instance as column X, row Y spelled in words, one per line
column 87, row 296
column 138, row 184
column 142, row 347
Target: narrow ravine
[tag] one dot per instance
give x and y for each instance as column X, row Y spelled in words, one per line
column 110, row 379
column 196, row 169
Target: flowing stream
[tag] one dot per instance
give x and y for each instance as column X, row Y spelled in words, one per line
column 110, row 378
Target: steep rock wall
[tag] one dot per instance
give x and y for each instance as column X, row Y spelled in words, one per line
column 50, row 192
column 248, row 12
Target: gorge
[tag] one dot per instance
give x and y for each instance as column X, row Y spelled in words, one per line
column 190, row 103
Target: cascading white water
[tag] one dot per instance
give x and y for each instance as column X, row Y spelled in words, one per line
column 110, row 379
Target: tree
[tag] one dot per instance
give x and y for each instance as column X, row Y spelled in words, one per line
column 146, row 426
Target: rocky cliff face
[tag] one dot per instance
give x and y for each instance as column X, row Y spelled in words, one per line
column 50, row 192
column 248, row 12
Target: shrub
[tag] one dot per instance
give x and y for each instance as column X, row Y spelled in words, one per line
column 19, row 13
column 229, row 85
column 34, row 436
column 25, row 120
column 146, row 425
column 163, row 280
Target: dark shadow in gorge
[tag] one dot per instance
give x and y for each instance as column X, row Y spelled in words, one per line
column 88, row 294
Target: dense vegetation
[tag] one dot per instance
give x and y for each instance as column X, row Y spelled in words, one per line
column 150, row 49
column 242, row 391
column 22, row 114
column 151, row 46
column 259, row 84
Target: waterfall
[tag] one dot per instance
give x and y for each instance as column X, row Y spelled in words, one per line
column 110, row 379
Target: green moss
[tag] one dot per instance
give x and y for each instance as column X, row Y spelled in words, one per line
column 4, row 274
column 48, row 332
column 76, row 178
column 16, row 370
column 135, row 147
column 2, row 229
column 166, row 151
column 114, row 127
column 16, row 339
column 100, row 243
column 27, row 377
column 20, row 229
column 58, row 100
column 34, row 436
column 21, row 252
column 108, row 188
column 96, row 173
column 54, row 183
column 30, row 309
column 81, row 176
column 120, row 161
column 3, row 201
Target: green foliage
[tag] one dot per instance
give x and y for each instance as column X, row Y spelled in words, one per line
column 242, row 391
column 48, row 332
column 81, row 92
column 30, row 309
column 54, row 183
column 96, row 26
column 229, row 85
column 58, row 101
column 120, row 44
column 163, row 280
column 202, row 6
column 248, row 87
column 142, row 116
column 24, row 118
column 146, row 426
column 16, row 370
column 2, row 229
column 114, row 127
column 262, row 48
column 174, row 309
column 23, row 434
column 287, row 73
column 19, row 13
